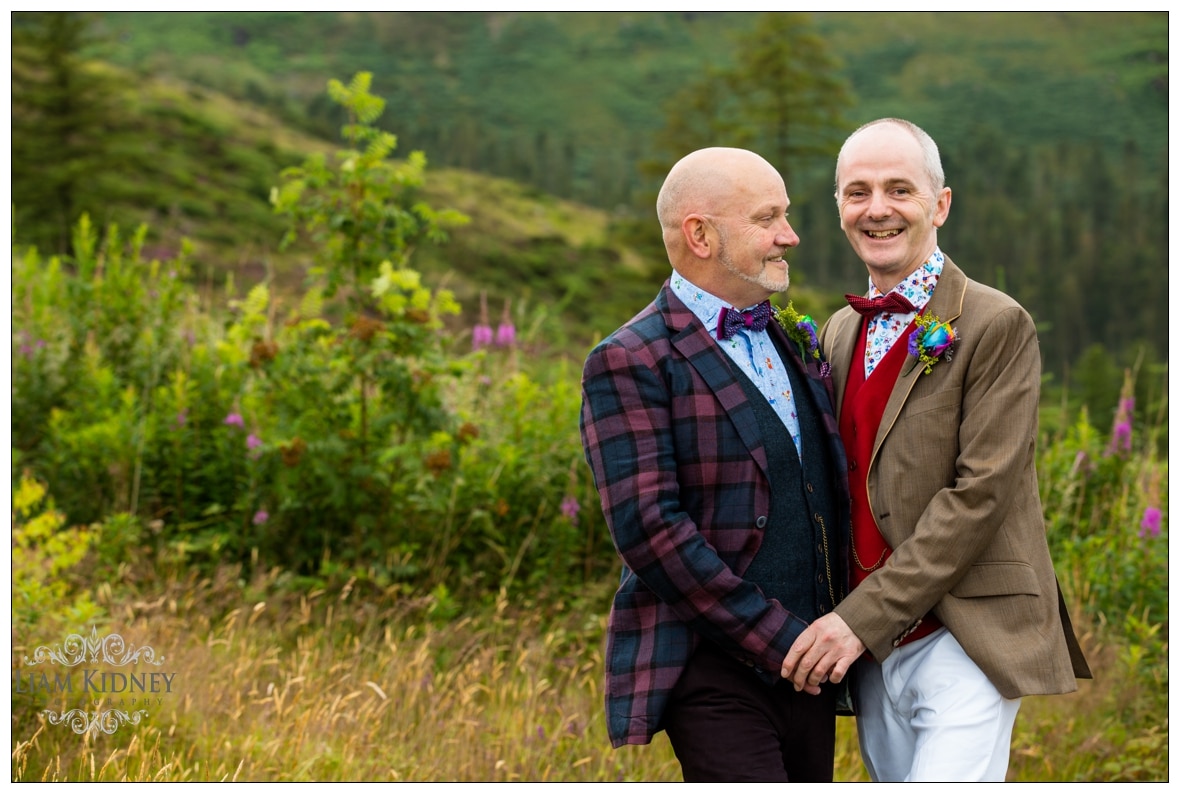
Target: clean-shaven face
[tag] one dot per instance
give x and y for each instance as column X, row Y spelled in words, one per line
column 889, row 210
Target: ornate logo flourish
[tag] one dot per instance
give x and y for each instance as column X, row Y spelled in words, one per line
column 77, row 649
column 107, row 721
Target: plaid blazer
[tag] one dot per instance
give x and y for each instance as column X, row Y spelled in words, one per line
column 681, row 471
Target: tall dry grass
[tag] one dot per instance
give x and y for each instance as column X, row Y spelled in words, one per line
column 274, row 684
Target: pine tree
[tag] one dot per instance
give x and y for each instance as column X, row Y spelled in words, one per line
column 783, row 98
column 62, row 111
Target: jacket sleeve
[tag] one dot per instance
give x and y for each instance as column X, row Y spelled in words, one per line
column 627, row 424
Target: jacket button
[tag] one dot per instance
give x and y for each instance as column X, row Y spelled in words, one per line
column 810, row 489
column 761, row 522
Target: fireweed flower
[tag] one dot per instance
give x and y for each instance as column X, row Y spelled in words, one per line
column 1120, row 433
column 253, row 441
column 182, row 417
column 481, row 335
column 1150, row 525
column 570, row 508
column 261, row 517
column 235, row 420
column 506, row 333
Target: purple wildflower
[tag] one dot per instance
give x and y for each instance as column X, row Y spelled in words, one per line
column 253, row 441
column 235, row 419
column 481, row 336
column 182, row 417
column 1150, row 525
column 506, row 335
column 1120, row 433
column 570, row 508
column 1121, row 440
column 261, row 517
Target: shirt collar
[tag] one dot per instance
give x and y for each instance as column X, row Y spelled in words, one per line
column 919, row 285
column 705, row 305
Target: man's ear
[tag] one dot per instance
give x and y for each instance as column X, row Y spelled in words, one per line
column 942, row 207
column 696, row 236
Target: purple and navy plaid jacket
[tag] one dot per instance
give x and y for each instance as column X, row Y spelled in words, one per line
column 681, row 471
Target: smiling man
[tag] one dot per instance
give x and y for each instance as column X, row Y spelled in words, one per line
column 714, row 449
column 954, row 613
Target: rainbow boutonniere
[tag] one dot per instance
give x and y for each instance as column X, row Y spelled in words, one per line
column 932, row 340
column 800, row 328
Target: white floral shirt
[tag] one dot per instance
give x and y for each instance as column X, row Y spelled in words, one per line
column 886, row 328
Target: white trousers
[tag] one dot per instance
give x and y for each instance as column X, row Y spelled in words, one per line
column 929, row 714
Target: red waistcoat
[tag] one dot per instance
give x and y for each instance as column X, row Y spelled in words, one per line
column 860, row 419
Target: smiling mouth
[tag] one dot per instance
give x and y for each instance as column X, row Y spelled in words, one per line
column 884, row 234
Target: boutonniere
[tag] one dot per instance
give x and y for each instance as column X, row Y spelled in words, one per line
column 932, row 340
column 801, row 329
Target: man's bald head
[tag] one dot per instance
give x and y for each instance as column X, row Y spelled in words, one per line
column 705, row 182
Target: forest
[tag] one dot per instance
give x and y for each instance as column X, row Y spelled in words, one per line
column 299, row 308
column 1053, row 128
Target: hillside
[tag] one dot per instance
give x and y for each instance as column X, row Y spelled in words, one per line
column 1052, row 127
column 569, row 101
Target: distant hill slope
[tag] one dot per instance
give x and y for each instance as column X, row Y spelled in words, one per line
column 569, row 101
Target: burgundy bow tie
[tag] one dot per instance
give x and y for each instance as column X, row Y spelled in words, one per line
column 754, row 319
column 893, row 303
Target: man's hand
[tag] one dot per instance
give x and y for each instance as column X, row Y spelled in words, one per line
column 823, row 652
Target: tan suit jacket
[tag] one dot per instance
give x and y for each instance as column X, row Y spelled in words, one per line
column 952, row 484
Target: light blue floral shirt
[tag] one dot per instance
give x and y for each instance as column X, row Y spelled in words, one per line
column 886, row 328
column 753, row 352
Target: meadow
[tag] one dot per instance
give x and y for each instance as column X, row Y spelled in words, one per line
column 353, row 524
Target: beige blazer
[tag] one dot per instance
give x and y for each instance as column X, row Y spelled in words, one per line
column 953, row 486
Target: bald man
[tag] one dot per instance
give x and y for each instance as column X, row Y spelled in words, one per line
column 714, row 447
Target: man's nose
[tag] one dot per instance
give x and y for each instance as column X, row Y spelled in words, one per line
column 879, row 206
column 786, row 235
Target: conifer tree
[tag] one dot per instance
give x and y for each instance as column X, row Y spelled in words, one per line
column 62, row 111
column 783, row 98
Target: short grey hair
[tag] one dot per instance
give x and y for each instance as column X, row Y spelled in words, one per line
column 931, row 160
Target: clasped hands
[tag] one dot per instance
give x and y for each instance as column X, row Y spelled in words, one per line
column 823, row 652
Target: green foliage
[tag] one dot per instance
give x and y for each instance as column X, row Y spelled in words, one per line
column 1105, row 503
column 44, row 551
column 364, row 211
column 270, row 433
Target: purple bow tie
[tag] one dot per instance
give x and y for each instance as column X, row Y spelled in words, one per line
column 754, row 319
column 894, row 303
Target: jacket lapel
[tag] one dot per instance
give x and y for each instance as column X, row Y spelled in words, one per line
column 690, row 337
column 947, row 304
column 842, row 333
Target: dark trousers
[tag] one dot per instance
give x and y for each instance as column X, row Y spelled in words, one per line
column 727, row 725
